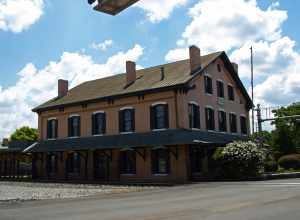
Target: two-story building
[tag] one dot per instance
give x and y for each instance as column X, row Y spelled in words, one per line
column 159, row 124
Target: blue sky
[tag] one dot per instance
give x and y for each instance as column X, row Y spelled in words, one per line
column 44, row 40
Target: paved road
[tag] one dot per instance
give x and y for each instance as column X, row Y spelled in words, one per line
column 276, row 200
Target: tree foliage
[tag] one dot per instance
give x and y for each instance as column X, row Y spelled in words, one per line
column 25, row 134
column 286, row 136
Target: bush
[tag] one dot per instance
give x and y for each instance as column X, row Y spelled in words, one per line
column 291, row 161
column 271, row 166
column 239, row 160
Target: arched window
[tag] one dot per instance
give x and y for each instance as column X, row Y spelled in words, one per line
column 98, row 123
column 159, row 116
column 74, row 126
column 126, row 120
column 194, row 115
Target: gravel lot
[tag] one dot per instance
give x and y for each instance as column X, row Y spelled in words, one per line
column 24, row 191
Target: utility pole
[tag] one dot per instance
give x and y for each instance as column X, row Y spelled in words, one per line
column 252, row 89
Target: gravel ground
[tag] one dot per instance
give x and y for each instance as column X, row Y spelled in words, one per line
column 24, row 191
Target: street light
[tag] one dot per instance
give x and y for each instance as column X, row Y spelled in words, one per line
column 111, row 7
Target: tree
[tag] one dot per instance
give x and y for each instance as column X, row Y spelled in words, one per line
column 286, row 136
column 25, row 134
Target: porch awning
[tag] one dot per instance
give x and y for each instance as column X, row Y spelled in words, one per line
column 134, row 140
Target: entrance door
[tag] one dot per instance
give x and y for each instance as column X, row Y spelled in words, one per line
column 101, row 167
column 197, row 162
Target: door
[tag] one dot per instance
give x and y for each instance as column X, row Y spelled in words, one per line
column 197, row 162
column 101, row 167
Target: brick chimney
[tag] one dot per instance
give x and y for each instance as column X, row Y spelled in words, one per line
column 63, row 87
column 195, row 58
column 130, row 72
column 235, row 67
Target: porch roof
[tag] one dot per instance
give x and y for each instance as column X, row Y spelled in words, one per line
column 134, row 140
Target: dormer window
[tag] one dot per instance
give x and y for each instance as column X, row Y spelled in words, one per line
column 52, row 126
column 208, row 85
column 74, row 126
column 126, row 120
column 98, row 123
column 159, row 116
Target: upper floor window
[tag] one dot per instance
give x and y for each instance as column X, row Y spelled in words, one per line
column 194, row 115
column 160, row 161
column 210, row 118
column 126, row 120
column 52, row 125
column 244, row 129
column 159, row 116
column 220, row 89
column 233, row 124
column 128, row 162
column 74, row 126
column 230, row 93
column 208, row 85
column 98, row 123
column 219, row 67
column 222, row 121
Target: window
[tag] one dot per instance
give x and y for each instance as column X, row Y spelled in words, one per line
column 244, row 129
column 98, row 123
column 160, row 161
column 220, row 89
column 210, row 118
column 222, row 121
column 208, row 85
column 73, row 163
column 159, row 116
column 219, row 67
column 233, row 125
column 194, row 116
column 52, row 163
column 128, row 162
column 126, row 120
column 74, row 126
column 230, row 93
column 52, row 125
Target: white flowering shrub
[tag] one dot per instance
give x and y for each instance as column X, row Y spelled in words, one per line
column 241, row 160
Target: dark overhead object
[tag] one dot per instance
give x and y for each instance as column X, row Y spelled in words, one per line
column 112, row 7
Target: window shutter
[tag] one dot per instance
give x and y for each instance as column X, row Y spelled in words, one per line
column 197, row 116
column 70, row 127
column 132, row 119
column 79, row 127
column 48, row 129
column 152, row 117
column 93, row 124
column 121, row 121
column 154, row 161
column 104, row 124
column 166, row 116
column 56, row 128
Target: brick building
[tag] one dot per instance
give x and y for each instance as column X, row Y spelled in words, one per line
column 159, row 124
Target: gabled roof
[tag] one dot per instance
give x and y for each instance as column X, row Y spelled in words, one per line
column 177, row 74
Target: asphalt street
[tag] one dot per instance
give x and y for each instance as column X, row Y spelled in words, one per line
column 274, row 200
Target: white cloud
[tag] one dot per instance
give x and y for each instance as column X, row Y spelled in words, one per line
column 225, row 25
column 103, row 46
column 269, row 57
column 19, row 15
column 36, row 86
column 158, row 10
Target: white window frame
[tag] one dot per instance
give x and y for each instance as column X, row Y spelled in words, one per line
column 159, row 103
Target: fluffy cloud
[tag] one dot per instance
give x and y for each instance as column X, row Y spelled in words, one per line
column 237, row 25
column 36, row 86
column 103, row 46
column 18, row 15
column 225, row 25
column 158, row 10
